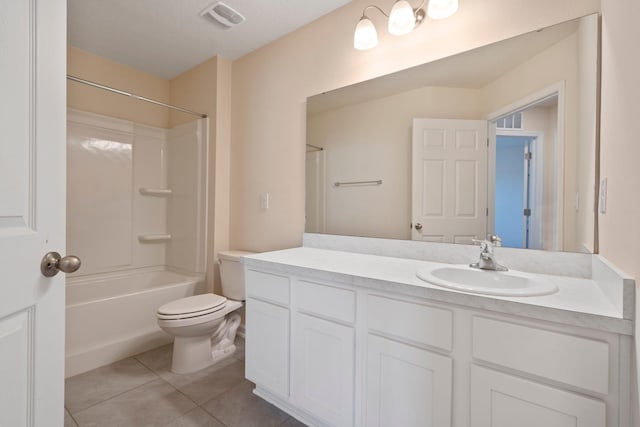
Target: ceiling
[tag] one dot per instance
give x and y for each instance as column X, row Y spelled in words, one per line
column 168, row 37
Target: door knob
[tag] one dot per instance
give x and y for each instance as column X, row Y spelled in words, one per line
column 418, row 226
column 52, row 263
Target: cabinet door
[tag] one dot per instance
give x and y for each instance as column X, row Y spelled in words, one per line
column 267, row 346
column 323, row 369
column 502, row 400
column 406, row 386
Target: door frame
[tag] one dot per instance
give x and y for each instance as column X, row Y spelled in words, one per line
column 557, row 89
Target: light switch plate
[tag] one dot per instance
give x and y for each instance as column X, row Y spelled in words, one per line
column 264, row 201
column 602, row 203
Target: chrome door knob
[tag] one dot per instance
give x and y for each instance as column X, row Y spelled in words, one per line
column 52, row 263
column 418, row 226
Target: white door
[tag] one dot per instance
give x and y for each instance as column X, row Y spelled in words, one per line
column 407, row 386
column 449, row 180
column 32, row 210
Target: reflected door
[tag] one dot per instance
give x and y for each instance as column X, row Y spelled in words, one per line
column 449, row 180
column 32, row 211
column 513, row 207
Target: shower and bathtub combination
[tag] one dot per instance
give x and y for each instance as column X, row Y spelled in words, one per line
column 136, row 216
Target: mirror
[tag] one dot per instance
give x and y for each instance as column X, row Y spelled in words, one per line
column 501, row 139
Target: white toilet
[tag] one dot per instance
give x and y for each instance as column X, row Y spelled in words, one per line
column 204, row 326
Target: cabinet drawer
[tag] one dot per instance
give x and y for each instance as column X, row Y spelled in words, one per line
column 268, row 286
column 415, row 322
column 578, row 361
column 328, row 301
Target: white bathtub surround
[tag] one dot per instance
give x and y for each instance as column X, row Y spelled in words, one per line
column 343, row 338
column 136, row 215
column 112, row 316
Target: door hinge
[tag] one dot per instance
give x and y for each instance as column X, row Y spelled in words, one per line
column 528, row 155
column 527, row 212
column 487, row 212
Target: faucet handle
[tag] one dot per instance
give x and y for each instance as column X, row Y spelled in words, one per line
column 494, row 239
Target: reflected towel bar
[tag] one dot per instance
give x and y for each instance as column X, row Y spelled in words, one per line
column 376, row 182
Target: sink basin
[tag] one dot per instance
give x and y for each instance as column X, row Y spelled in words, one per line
column 487, row 282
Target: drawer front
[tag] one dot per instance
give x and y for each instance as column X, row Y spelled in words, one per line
column 328, row 301
column 267, row 286
column 581, row 362
column 414, row 322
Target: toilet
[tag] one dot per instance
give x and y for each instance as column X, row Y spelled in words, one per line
column 204, row 326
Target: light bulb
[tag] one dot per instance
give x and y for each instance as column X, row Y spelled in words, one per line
column 365, row 36
column 439, row 9
column 402, row 19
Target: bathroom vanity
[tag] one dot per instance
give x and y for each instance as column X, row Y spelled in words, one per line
column 340, row 338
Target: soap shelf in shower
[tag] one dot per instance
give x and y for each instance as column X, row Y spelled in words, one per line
column 154, row 238
column 152, row 191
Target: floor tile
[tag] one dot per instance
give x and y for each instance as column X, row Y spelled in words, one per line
column 200, row 386
column 292, row 422
column 239, row 354
column 195, row 418
column 84, row 390
column 68, row 420
column 239, row 407
column 158, row 359
column 210, row 382
column 154, row 404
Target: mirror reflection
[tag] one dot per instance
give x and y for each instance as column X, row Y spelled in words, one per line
column 499, row 140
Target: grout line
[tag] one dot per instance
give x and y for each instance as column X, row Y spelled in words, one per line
column 115, row 395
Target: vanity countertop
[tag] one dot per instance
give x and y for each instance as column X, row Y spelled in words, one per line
column 578, row 302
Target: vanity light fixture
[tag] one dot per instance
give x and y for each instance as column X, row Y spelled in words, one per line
column 402, row 20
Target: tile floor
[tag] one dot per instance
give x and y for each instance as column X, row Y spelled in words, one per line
column 142, row 391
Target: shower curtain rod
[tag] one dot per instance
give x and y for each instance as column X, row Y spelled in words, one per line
column 131, row 95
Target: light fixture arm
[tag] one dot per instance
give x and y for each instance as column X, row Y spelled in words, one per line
column 372, row 6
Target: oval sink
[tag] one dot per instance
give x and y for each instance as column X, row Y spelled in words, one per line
column 488, row 282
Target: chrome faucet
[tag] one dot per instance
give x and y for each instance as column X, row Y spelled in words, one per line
column 487, row 259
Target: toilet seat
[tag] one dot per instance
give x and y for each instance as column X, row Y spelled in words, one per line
column 190, row 307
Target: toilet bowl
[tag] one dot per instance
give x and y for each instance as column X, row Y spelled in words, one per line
column 204, row 326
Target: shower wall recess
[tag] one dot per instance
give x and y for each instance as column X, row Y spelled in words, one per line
column 136, row 195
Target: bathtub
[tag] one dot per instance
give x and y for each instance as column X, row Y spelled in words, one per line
column 113, row 316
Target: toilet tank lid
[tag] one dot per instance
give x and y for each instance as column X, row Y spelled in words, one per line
column 233, row 255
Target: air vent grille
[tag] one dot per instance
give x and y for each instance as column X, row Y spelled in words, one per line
column 224, row 14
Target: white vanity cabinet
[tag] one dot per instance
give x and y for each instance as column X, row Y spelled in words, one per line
column 267, row 337
column 334, row 353
column 323, row 350
column 408, row 379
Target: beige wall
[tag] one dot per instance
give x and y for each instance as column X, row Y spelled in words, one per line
column 206, row 89
column 270, row 87
column 619, row 227
column 101, row 70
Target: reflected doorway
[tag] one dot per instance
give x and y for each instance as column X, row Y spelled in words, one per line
column 515, row 185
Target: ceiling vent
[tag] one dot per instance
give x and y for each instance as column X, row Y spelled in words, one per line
column 224, row 14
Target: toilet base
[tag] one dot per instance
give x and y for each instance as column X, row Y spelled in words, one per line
column 191, row 354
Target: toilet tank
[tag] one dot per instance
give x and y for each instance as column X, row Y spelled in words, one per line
column 232, row 274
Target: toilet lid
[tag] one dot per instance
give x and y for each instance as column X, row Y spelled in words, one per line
column 196, row 304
